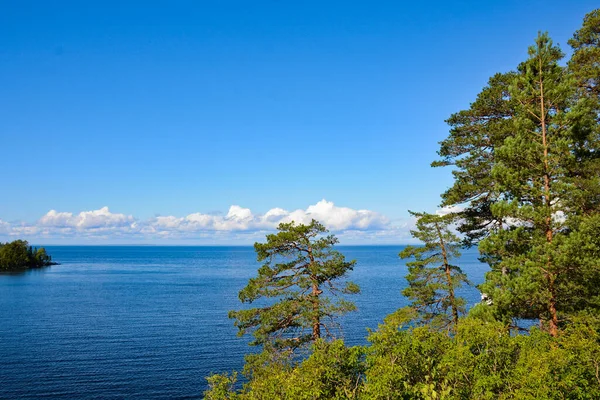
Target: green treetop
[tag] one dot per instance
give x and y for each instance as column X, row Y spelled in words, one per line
column 585, row 67
column 304, row 276
column 432, row 279
column 585, row 62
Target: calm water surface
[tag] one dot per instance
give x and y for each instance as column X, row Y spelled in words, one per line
column 151, row 322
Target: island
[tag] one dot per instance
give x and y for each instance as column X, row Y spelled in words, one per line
column 18, row 255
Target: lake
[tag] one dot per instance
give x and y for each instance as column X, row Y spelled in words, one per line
column 151, row 322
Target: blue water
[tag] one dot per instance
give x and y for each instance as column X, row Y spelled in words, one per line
column 151, row 322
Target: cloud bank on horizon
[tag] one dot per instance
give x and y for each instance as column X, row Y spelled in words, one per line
column 239, row 225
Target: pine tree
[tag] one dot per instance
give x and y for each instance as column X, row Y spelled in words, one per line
column 532, row 171
column 432, row 279
column 527, row 171
column 585, row 62
column 475, row 134
column 305, row 276
column 585, row 67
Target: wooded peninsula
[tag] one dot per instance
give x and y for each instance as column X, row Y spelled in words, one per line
column 18, row 255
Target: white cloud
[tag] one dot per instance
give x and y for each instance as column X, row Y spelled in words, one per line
column 275, row 214
column 238, row 225
column 95, row 219
column 239, row 219
column 338, row 218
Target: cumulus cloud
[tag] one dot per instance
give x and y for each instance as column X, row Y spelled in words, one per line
column 95, row 219
column 339, row 218
column 239, row 219
column 238, row 223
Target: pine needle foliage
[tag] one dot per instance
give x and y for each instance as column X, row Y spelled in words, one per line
column 432, row 279
column 585, row 62
column 526, row 159
column 305, row 280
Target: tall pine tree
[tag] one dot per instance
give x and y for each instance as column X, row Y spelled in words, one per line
column 304, row 277
column 526, row 165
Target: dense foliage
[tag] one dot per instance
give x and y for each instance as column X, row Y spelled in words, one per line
column 526, row 163
column 481, row 361
column 18, row 255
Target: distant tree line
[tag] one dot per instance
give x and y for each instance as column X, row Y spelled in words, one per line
column 18, row 255
column 525, row 157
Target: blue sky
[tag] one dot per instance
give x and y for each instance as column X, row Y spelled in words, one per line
column 174, row 109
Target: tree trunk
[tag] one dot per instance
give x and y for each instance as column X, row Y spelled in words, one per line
column 550, row 277
column 448, row 278
column 316, row 330
column 316, row 326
